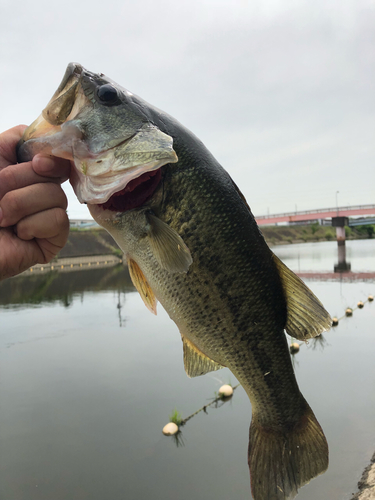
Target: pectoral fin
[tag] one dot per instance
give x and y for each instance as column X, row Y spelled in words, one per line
column 141, row 284
column 168, row 247
column 196, row 363
column 307, row 317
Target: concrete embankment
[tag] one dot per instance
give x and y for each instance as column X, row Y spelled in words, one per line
column 96, row 247
column 99, row 242
column 83, row 250
column 86, row 243
column 366, row 485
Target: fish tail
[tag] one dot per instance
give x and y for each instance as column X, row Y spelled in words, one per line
column 280, row 462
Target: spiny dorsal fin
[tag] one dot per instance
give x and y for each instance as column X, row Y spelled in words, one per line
column 168, row 247
column 196, row 363
column 141, row 284
column 307, row 317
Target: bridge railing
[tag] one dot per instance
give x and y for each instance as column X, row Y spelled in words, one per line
column 316, row 211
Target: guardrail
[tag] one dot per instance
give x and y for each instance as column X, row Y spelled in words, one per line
column 316, row 211
column 76, row 263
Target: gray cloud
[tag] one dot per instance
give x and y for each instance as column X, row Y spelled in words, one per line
column 281, row 92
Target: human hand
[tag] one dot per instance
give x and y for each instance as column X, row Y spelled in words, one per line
column 34, row 225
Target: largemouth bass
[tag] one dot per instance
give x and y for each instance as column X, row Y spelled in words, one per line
column 192, row 243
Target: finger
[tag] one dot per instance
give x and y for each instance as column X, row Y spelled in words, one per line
column 19, row 254
column 49, row 230
column 51, row 167
column 19, row 176
column 8, row 142
column 16, row 255
column 52, row 224
column 15, row 205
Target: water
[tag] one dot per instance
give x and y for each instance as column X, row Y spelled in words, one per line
column 89, row 377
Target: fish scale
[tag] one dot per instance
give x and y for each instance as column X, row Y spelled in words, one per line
column 253, row 324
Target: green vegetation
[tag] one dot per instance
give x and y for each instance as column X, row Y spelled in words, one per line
column 219, row 396
column 282, row 235
column 328, row 235
column 368, row 231
column 118, row 252
column 96, row 241
column 176, row 417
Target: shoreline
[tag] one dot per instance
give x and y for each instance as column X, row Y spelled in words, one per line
column 90, row 242
column 366, row 485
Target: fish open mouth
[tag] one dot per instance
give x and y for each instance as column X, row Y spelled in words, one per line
column 135, row 193
column 116, row 152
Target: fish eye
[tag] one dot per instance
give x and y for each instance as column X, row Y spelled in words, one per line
column 107, row 94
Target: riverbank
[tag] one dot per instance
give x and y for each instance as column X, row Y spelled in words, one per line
column 89, row 243
column 366, row 485
column 98, row 242
column 283, row 235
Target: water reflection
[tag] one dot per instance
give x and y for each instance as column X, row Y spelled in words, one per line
column 120, row 305
column 64, row 287
column 343, row 266
column 326, row 261
column 83, row 401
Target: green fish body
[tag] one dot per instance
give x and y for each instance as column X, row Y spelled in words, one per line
column 192, row 244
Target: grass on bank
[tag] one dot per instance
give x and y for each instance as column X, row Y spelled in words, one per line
column 276, row 235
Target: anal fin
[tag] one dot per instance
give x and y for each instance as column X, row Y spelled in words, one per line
column 141, row 284
column 195, row 361
column 306, row 317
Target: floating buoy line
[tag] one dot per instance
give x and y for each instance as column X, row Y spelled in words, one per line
column 173, row 428
column 226, row 391
column 294, row 347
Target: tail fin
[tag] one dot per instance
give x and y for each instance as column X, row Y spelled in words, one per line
column 280, row 462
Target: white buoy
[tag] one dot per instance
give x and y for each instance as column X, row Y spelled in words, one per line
column 226, row 390
column 294, row 348
column 170, row 429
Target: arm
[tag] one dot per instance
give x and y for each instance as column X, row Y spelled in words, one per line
column 34, row 225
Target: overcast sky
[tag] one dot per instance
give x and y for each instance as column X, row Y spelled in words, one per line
column 281, row 92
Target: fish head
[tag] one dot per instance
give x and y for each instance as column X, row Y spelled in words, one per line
column 105, row 131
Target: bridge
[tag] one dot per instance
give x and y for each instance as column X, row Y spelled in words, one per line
column 342, row 276
column 322, row 213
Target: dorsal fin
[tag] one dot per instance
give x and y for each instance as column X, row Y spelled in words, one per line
column 168, row 247
column 241, row 195
column 307, row 317
column 141, row 284
column 196, row 363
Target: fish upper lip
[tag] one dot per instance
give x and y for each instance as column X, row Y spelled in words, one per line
column 59, row 123
column 73, row 68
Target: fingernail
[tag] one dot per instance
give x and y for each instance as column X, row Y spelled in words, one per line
column 43, row 164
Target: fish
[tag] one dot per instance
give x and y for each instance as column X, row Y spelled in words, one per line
column 192, row 244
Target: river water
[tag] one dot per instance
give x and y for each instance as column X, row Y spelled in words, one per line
column 89, row 378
